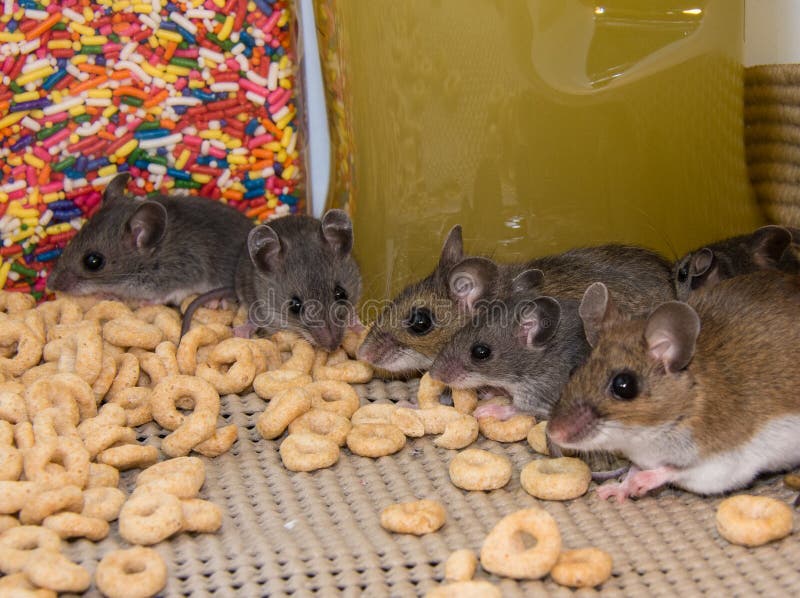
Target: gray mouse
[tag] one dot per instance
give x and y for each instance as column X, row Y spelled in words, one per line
column 298, row 273
column 769, row 247
column 701, row 395
column 410, row 331
column 156, row 250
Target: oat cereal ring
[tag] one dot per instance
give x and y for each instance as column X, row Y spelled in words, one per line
column 478, row 588
column 408, row 421
column 465, row 400
column 336, row 357
column 537, row 438
column 33, row 320
column 284, row 408
column 230, row 367
column 352, row 371
column 60, row 311
column 105, row 429
column 200, row 516
column 269, row 384
column 460, row 565
column 17, row 585
column 582, row 568
column 88, row 354
column 182, row 476
column 564, row 478
column 429, row 392
column 150, row 365
column 108, row 371
column 375, row 440
column 513, row 429
column 54, row 571
column 268, row 351
column 302, row 358
column 57, row 462
column 135, row 401
column 16, row 494
column 218, row 317
column 197, row 337
column 129, row 331
column 102, row 475
column 435, row 419
column 136, row 572
column 10, row 459
column 284, row 339
column 66, row 392
column 49, row 425
column 18, row 544
column 335, row 396
column 476, row 469
column 128, row 372
column 458, row 433
column 150, row 516
column 220, row 442
column 324, row 423
column 129, row 456
column 23, row 435
column 106, row 310
column 102, row 503
column 306, row 451
column 164, row 318
column 240, row 317
column 14, row 302
column 504, row 553
column 374, row 413
column 47, row 502
column 12, row 407
column 753, row 520
column 75, row 525
column 190, row 430
column 26, row 348
column 417, row 517
column 7, row 522
column 352, row 340
column 43, row 370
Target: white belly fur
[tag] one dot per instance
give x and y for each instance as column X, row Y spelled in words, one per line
column 775, row 447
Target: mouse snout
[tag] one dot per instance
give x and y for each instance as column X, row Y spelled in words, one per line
column 376, row 346
column 571, row 425
column 328, row 337
column 62, row 280
column 446, row 371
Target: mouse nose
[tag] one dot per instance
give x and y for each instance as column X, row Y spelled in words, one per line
column 570, row 425
column 328, row 337
column 61, row 280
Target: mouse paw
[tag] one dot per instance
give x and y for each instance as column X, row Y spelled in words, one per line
column 643, row 481
column 244, row 330
column 501, row 412
column 618, row 490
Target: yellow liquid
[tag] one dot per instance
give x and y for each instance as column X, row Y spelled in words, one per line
column 538, row 125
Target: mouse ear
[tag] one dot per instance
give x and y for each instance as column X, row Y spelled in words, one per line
column 768, row 245
column 596, row 310
column 147, row 225
column 470, row 280
column 527, row 281
column 703, row 268
column 338, row 231
column 452, row 250
column 538, row 320
column 264, row 247
column 117, row 187
column 671, row 334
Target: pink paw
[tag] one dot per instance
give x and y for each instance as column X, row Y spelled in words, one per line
column 501, row 412
column 618, row 490
column 244, row 330
column 636, row 483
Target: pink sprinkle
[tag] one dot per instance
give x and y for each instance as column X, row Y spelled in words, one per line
column 42, row 153
column 55, row 139
column 259, row 140
column 52, row 187
column 250, row 86
column 30, row 175
column 18, row 194
column 192, row 140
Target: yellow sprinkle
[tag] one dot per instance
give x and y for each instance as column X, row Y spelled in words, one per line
column 220, row 3
column 281, row 156
column 110, row 111
column 108, row 170
column 201, row 178
column 178, row 70
column 285, row 83
column 170, row 36
column 55, row 229
column 32, row 160
column 14, row 160
column 120, row 6
column 226, row 29
column 237, row 159
column 37, row 114
column 233, row 143
column 284, row 19
column 4, row 269
column 82, row 29
column 195, row 84
column 77, row 110
column 16, row 209
column 31, row 221
column 5, row 36
column 210, row 63
column 142, row 8
column 79, row 59
column 34, row 75
column 156, row 110
column 3, row 197
column 93, row 40
column 59, row 44
column 282, row 123
column 10, row 119
column 287, row 137
column 283, row 63
column 182, row 159
column 272, row 201
column 151, row 70
column 152, row 42
column 288, row 172
column 126, row 149
column 23, row 234
column 100, row 93
column 210, row 134
column 51, row 197
column 88, row 14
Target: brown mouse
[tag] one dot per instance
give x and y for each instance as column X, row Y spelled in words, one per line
column 769, row 247
column 700, row 395
column 416, row 325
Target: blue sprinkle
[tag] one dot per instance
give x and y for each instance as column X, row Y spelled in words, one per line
column 151, row 133
column 142, row 164
column 203, row 95
column 288, row 199
column 12, row 26
column 72, row 173
column 254, row 183
column 161, row 151
column 80, row 164
column 169, row 25
column 179, row 174
column 254, row 194
column 251, row 127
column 124, row 167
column 51, row 80
column 278, row 168
column 100, row 60
column 46, row 256
column 23, row 142
column 187, row 35
column 63, row 204
column 97, row 163
column 180, row 109
column 264, row 7
column 247, row 39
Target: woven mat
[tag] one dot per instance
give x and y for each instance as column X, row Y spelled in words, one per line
column 318, row 534
column 772, row 138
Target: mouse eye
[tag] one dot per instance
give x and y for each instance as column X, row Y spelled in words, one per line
column 420, row 322
column 624, row 386
column 94, row 261
column 480, row 352
column 295, row 305
column 683, row 273
column 339, row 294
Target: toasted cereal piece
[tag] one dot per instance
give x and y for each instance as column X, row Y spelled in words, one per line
column 136, row 572
column 375, row 440
column 753, row 520
column 306, row 451
column 477, row 469
column 564, row 478
column 460, row 565
column 504, row 552
column 582, row 568
column 417, row 517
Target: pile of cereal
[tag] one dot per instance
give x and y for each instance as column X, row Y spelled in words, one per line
column 186, row 95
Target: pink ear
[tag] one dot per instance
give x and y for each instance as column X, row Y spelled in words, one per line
column 148, row 224
column 538, row 320
column 471, row 280
column 671, row 334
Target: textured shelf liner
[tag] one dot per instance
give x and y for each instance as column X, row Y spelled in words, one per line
column 318, row 534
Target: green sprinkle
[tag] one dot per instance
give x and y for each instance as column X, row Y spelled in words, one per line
column 15, row 88
column 37, row 295
column 184, row 62
column 149, row 125
column 225, row 45
column 64, row 164
column 113, row 37
column 131, row 101
column 181, row 184
column 155, row 159
column 91, row 50
column 82, row 118
column 60, row 26
column 22, row 270
column 45, row 133
column 135, row 155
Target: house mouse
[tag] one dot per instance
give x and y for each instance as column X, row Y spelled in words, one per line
column 701, row 395
column 415, row 326
column 156, row 250
column 298, row 273
column 770, row 246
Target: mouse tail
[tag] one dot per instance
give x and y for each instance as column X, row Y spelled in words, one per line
column 201, row 300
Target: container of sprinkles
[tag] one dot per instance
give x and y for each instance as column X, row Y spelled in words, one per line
column 194, row 96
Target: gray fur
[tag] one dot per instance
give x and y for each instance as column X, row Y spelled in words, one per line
column 148, row 260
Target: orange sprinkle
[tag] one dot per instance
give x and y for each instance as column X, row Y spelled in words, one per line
column 88, row 84
column 261, row 164
column 260, row 152
column 48, row 23
column 92, row 68
column 130, row 90
column 171, row 47
column 156, row 99
column 257, row 211
column 232, row 194
column 119, row 75
column 44, row 175
column 272, row 128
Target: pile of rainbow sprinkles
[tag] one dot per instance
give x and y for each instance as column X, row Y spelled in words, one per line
column 193, row 96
